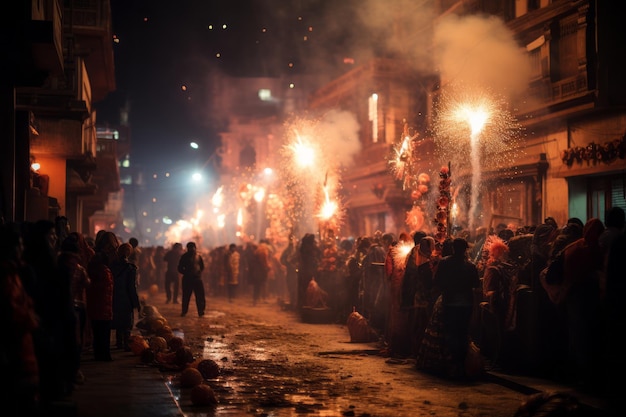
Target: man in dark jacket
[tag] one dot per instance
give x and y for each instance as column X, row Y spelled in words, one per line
column 191, row 266
column 457, row 277
column 172, row 278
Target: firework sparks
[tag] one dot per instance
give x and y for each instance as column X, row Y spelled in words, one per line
column 303, row 152
column 218, row 198
column 401, row 251
column 481, row 117
column 400, row 162
column 474, row 126
column 329, row 207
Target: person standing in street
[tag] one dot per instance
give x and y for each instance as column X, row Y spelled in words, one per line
column 260, row 271
column 191, row 266
column 172, row 277
column 458, row 279
column 100, row 295
column 125, row 298
column 231, row 265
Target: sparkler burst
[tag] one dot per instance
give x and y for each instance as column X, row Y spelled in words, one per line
column 315, row 152
column 401, row 251
column 475, row 115
column 475, row 133
column 401, row 161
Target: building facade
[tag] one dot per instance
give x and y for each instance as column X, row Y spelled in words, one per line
column 61, row 57
column 569, row 161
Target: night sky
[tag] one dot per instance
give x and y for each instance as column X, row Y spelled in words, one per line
column 165, row 49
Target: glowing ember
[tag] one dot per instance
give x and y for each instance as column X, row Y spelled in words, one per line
column 328, row 210
column 303, row 153
column 401, row 163
column 401, row 251
column 218, row 197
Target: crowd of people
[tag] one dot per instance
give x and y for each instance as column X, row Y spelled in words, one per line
column 63, row 295
column 438, row 302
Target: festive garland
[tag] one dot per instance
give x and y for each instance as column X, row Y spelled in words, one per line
column 595, row 153
column 443, row 205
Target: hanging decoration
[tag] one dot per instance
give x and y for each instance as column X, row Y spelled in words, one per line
column 595, row 153
column 443, row 204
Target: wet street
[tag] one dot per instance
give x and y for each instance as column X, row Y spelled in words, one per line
column 272, row 364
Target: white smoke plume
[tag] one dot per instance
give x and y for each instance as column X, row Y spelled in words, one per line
column 480, row 51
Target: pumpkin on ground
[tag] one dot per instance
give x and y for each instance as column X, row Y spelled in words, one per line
column 184, row 356
column 190, row 377
column 203, row 395
column 138, row 344
column 175, row 343
column 158, row 344
column 209, row 368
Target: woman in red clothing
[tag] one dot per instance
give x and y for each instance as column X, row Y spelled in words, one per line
column 100, row 295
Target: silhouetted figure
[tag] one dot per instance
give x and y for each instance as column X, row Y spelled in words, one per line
column 191, row 266
column 172, row 276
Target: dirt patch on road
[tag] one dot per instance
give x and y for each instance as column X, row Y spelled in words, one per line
column 274, row 365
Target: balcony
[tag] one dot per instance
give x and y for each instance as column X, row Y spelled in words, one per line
column 90, row 23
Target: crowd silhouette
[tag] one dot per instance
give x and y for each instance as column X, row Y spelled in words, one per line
column 431, row 301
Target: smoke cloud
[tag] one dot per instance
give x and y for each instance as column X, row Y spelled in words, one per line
column 480, row 51
column 339, row 131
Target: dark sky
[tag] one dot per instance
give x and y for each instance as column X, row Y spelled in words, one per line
column 165, row 45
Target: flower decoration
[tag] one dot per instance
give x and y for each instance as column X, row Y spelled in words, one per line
column 443, row 204
column 330, row 255
column 415, row 218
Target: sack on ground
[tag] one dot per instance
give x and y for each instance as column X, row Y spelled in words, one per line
column 359, row 328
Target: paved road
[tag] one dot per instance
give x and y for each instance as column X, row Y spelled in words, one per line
column 272, row 364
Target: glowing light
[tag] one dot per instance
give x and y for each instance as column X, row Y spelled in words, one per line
column 224, row 26
column 221, row 221
column 36, row 166
column 268, row 171
column 184, row 88
column 259, row 194
column 218, row 198
column 196, row 177
column 240, row 217
column 476, row 117
column 303, row 153
column 166, row 220
column 154, row 200
column 292, row 85
column 194, row 145
column 475, row 132
column 401, row 251
column 400, row 160
column 329, row 208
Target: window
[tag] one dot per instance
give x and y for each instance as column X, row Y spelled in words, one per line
column 373, row 116
column 603, row 193
column 565, row 57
